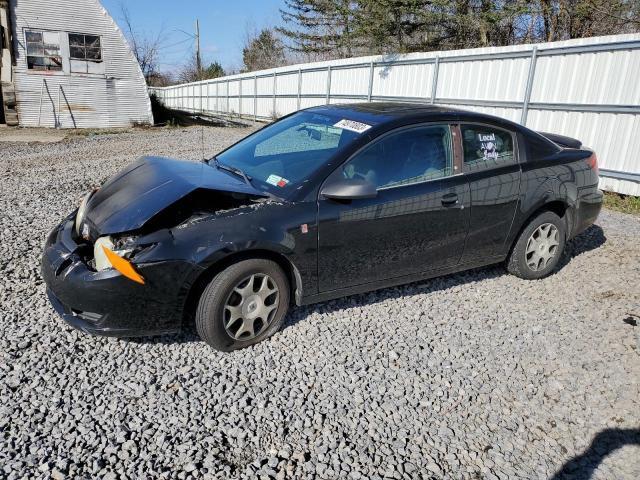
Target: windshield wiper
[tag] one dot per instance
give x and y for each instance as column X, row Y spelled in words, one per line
column 235, row 170
column 244, row 176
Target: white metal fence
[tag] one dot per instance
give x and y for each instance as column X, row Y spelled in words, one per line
column 587, row 88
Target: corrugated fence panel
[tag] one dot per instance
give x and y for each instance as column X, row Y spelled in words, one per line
column 585, row 88
column 602, row 77
column 314, row 83
column 265, row 85
column 503, row 79
column 353, row 81
column 410, row 81
column 287, row 84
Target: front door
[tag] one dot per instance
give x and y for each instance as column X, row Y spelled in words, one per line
column 418, row 221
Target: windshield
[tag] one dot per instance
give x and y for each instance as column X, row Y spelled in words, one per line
column 280, row 157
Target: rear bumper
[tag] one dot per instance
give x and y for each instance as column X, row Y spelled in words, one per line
column 589, row 206
column 106, row 303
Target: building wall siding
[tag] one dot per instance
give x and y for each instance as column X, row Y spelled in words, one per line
column 117, row 97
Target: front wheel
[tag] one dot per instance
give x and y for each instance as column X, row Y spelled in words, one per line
column 538, row 248
column 243, row 304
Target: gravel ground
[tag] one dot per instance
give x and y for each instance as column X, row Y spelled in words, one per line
column 475, row 375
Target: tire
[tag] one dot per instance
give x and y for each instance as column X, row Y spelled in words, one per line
column 541, row 258
column 238, row 290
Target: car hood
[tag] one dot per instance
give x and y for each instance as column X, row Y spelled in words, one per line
column 148, row 186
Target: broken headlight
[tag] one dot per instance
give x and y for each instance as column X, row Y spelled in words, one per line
column 82, row 211
column 123, row 247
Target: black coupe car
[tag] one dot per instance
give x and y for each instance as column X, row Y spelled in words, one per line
column 326, row 202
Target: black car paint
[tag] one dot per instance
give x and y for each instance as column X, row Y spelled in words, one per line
column 146, row 187
column 328, row 248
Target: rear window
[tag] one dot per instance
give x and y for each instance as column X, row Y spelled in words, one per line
column 486, row 147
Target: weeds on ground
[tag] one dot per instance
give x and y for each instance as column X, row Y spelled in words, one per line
column 622, row 203
column 90, row 132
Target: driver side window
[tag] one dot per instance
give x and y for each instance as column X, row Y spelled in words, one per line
column 405, row 157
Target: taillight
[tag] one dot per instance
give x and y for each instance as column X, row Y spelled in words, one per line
column 592, row 161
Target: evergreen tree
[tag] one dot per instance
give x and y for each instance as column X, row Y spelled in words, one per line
column 344, row 28
column 321, row 27
column 262, row 51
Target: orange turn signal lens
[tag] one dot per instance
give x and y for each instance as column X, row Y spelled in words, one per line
column 123, row 265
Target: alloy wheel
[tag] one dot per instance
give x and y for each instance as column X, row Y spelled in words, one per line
column 251, row 306
column 542, row 246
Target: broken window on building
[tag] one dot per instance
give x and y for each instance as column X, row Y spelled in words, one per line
column 43, row 51
column 85, row 47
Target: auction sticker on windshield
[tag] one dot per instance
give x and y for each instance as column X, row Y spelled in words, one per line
column 352, row 125
column 277, row 180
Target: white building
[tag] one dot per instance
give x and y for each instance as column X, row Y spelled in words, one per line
column 65, row 63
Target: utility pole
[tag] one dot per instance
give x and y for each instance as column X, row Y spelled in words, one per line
column 198, row 57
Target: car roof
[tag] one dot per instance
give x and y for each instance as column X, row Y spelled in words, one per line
column 388, row 109
column 392, row 112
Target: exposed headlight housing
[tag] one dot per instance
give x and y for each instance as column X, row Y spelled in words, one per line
column 123, row 247
column 82, row 211
column 102, row 262
column 109, row 254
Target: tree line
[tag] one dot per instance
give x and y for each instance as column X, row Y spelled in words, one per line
column 314, row 30
column 343, row 28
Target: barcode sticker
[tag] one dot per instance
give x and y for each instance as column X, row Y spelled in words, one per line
column 352, row 125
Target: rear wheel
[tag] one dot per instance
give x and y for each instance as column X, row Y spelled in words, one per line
column 538, row 248
column 243, row 304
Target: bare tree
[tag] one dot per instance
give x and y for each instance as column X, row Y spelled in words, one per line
column 191, row 72
column 145, row 48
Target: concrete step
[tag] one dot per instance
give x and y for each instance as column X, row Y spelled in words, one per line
column 11, row 119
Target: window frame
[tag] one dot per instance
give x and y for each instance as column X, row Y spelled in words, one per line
column 85, row 59
column 514, row 141
column 60, row 55
column 454, row 159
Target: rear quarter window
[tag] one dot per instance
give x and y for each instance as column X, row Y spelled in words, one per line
column 539, row 148
column 486, row 147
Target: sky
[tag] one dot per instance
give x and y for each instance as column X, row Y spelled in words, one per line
column 223, row 25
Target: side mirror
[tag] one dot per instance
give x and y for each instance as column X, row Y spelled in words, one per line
column 349, row 189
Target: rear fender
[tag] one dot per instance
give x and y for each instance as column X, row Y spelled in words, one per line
column 550, row 194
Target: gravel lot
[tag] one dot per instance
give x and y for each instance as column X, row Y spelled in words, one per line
column 475, row 375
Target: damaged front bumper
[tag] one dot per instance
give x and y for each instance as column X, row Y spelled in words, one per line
column 107, row 303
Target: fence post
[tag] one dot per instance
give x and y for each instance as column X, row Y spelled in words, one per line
column 434, row 80
column 240, row 98
column 217, row 96
column 255, row 98
column 228, row 112
column 529, row 87
column 299, row 87
column 370, row 91
column 275, row 86
column 209, row 97
column 328, row 84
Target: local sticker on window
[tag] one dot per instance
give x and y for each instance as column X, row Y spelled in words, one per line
column 277, row 180
column 488, row 146
column 352, row 125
